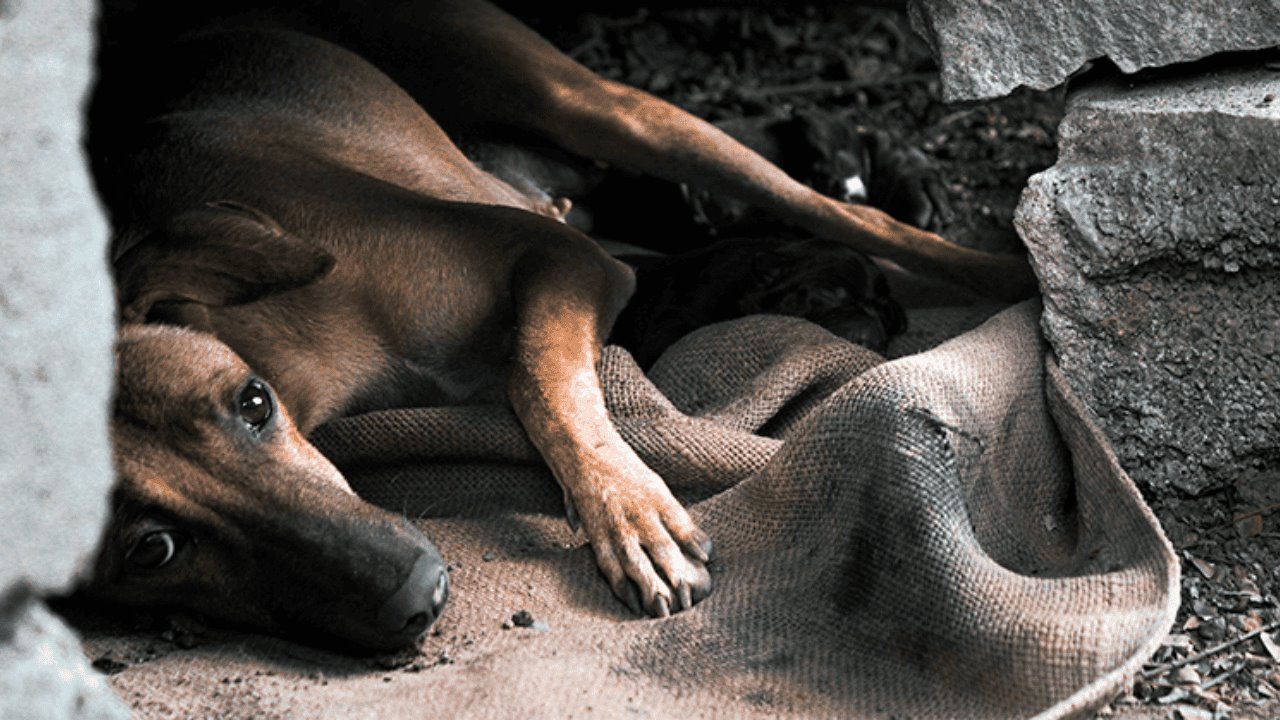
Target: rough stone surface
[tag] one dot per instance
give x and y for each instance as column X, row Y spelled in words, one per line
column 45, row 675
column 56, row 328
column 986, row 48
column 1156, row 238
column 56, row 323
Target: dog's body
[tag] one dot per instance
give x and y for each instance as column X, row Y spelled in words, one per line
column 283, row 196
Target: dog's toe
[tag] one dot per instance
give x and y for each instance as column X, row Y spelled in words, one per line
column 661, row 607
column 648, row 548
column 694, row 587
column 654, row 583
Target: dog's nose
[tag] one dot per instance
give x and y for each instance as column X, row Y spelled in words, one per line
column 415, row 606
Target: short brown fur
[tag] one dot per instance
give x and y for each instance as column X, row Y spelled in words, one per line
column 305, row 216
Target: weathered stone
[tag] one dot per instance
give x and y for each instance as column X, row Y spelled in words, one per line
column 45, row 675
column 1156, row 238
column 56, row 323
column 56, row 328
column 986, row 48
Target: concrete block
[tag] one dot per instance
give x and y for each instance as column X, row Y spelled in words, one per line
column 1156, row 239
column 56, row 322
column 44, row 674
column 56, row 329
column 986, row 48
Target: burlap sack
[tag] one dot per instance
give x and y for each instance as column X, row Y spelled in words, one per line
column 945, row 535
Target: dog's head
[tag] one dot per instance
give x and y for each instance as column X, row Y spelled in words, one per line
column 224, row 508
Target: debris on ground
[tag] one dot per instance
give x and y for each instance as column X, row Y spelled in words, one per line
column 1223, row 654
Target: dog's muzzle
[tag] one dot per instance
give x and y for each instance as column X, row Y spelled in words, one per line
column 415, row 606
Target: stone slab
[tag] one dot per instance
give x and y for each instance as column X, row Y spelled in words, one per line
column 56, row 318
column 44, row 674
column 987, row 48
column 1156, row 238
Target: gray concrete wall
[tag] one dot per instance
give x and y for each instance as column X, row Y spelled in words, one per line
column 56, row 329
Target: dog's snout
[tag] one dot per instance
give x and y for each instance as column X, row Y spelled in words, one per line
column 441, row 593
column 413, row 607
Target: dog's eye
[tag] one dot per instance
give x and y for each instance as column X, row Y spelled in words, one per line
column 254, row 405
column 155, row 549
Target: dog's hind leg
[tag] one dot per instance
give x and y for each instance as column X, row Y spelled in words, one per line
column 512, row 77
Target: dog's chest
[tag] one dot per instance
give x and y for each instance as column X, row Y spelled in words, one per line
column 410, row 383
column 431, row 370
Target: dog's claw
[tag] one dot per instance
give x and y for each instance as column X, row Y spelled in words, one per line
column 684, row 595
column 701, row 548
column 646, row 545
column 571, row 514
column 661, row 607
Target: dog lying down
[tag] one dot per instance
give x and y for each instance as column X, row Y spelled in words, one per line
column 296, row 239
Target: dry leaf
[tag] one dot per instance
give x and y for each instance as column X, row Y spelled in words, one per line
column 1205, row 567
column 1251, row 588
column 1187, row 675
column 1189, row 712
column 1248, row 526
column 1251, row 622
column 1273, row 648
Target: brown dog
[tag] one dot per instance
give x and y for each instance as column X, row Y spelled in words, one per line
column 332, row 252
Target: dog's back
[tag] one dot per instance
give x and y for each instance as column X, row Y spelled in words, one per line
column 242, row 112
column 312, row 143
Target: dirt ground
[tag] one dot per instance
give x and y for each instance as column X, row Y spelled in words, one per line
column 1222, row 658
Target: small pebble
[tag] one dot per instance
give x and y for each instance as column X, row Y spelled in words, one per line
column 1187, row 675
column 1212, row 631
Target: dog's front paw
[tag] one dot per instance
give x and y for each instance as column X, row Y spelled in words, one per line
column 646, row 545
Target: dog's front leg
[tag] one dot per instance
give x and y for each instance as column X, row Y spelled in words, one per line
column 645, row 543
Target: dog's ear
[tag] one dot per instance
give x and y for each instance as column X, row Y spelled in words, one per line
column 224, row 253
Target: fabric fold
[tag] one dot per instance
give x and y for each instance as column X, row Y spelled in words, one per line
column 943, row 535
